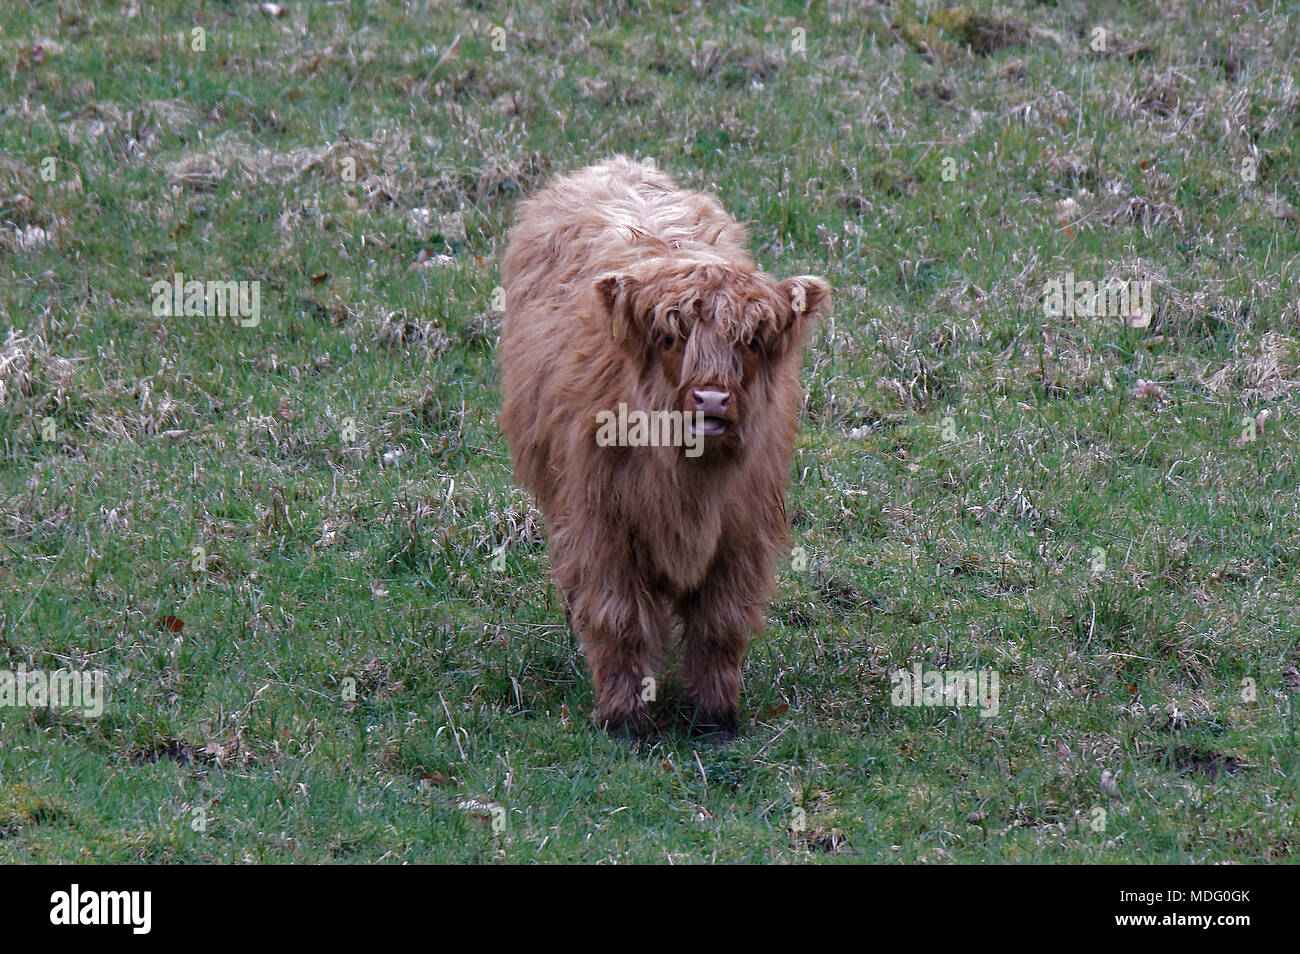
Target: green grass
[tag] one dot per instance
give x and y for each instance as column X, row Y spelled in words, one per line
column 356, row 681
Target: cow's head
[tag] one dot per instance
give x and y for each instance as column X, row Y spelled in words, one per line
column 711, row 341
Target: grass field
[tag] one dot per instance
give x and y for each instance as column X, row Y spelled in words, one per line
column 295, row 547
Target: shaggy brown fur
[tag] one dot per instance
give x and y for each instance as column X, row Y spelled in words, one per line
column 622, row 288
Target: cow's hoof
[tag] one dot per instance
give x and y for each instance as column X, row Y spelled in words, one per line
column 713, row 728
column 717, row 737
column 631, row 730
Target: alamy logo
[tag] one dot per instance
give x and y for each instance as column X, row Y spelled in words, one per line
column 76, row 907
column 651, row 429
column 946, row 687
column 196, row 299
column 1113, row 298
column 61, row 689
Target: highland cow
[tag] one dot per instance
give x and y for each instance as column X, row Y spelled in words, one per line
column 622, row 289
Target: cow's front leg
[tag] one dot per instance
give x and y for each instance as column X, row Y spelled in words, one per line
column 719, row 620
column 622, row 630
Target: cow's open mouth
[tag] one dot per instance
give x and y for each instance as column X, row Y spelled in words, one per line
column 710, row 426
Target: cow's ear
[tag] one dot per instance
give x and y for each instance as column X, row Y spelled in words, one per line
column 806, row 295
column 615, row 293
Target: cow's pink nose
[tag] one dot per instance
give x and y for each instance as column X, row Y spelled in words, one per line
column 712, row 403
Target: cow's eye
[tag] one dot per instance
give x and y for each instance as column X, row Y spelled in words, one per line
column 752, row 344
column 668, row 342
